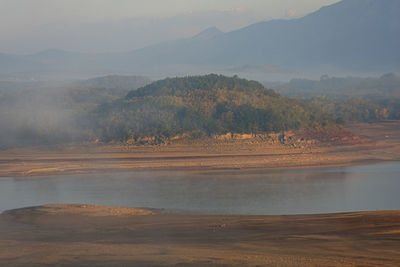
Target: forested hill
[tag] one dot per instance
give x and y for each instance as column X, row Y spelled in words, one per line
column 203, row 105
column 186, row 85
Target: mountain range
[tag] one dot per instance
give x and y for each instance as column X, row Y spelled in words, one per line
column 118, row 35
column 351, row 35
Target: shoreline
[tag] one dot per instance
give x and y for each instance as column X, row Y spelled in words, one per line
column 327, row 165
column 238, row 162
column 383, row 146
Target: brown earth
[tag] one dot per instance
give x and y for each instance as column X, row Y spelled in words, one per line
column 361, row 143
column 85, row 235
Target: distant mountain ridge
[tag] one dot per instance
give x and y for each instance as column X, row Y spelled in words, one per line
column 359, row 35
column 207, row 34
column 124, row 34
column 115, row 82
column 351, row 34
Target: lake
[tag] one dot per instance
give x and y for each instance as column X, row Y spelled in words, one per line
column 308, row 191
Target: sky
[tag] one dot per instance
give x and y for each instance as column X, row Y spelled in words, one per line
column 17, row 13
column 19, row 18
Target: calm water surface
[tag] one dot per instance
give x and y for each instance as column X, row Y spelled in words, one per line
column 360, row 188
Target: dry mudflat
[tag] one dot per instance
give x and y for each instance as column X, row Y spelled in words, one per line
column 381, row 142
column 85, row 235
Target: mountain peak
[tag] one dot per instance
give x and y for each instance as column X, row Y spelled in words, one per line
column 208, row 34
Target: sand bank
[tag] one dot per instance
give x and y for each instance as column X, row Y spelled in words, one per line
column 85, row 235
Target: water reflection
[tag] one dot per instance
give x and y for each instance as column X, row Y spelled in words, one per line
column 372, row 187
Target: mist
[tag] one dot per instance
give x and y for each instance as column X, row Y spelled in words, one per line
column 50, row 113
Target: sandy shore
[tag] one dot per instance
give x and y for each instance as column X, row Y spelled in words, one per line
column 383, row 144
column 85, row 235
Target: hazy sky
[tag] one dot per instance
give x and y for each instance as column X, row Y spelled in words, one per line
column 25, row 23
column 24, row 13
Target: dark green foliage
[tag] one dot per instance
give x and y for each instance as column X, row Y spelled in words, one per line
column 203, row 105
column 387, row 85
column 362, row 109
column 183, row 86
column 350, row 98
